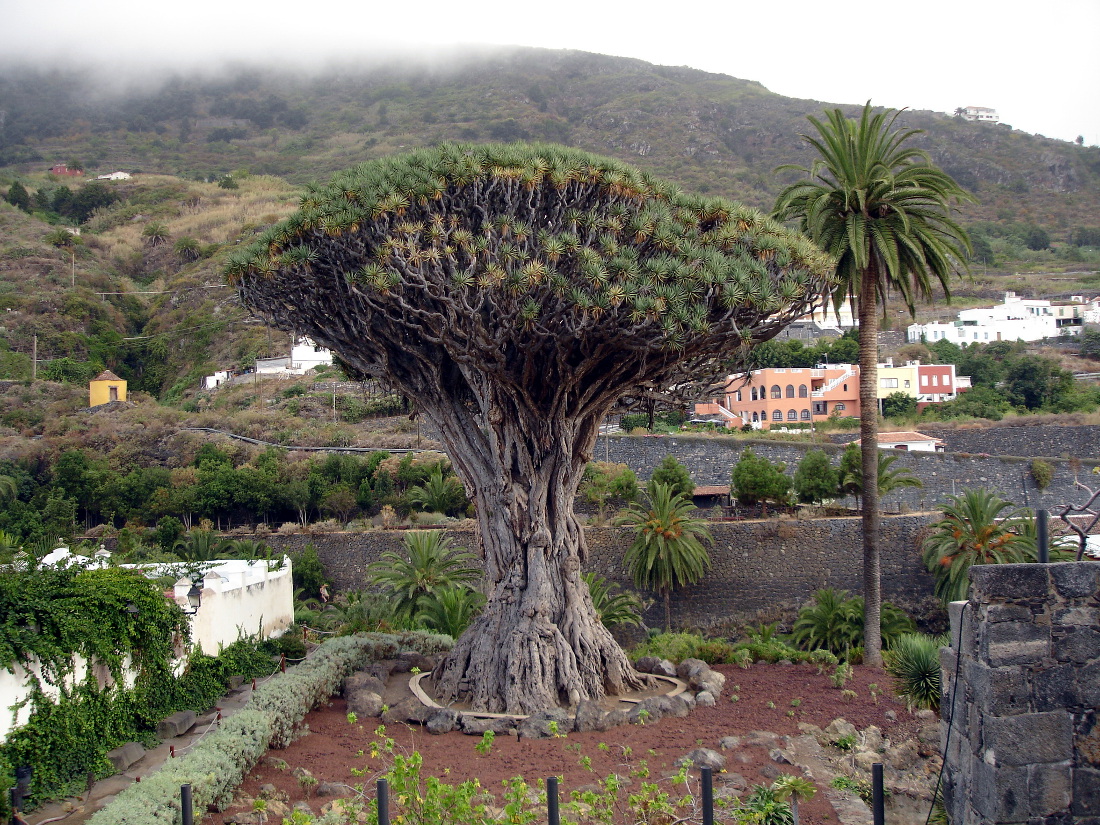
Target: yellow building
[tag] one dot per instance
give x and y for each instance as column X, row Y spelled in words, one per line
column 105, row 388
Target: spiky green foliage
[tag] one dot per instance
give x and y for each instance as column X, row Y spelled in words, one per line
column 914, row 662
column 431, row 564
column 615, row 608
column 668, row 550
column 438, row 494
column 421, row 224
column 978, row 527
column 883, row 211
column 834, row 622
column 449, row 610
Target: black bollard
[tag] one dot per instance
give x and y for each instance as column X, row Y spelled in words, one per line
column 878, row 800
column 552, row 815
column 708, row 796
column 1042, row 533
column 383, row 802
column 187, row 808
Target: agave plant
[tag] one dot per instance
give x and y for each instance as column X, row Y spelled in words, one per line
column 914, row 662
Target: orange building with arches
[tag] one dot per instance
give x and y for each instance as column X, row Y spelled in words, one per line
column 777, row 397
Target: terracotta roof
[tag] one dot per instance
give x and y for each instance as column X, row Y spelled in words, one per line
column 106, row 375
column 717, row 490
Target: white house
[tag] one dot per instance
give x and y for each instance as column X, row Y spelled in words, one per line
column 115, row 176
column 212, row 382
column 912, row 441
column 980, row 114
column 306, row 355
column 1017, row 319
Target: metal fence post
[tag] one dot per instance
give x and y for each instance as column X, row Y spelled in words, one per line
column 552, row 815
column 187, row 807
column 708, row 796
column 878, row 800
column 1042, row 532
column 383, row 802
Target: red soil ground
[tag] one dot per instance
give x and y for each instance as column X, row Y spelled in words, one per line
column 770, row 698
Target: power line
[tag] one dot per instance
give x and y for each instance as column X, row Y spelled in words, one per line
column 165, row 291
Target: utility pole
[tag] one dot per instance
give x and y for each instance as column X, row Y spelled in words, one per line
column 34, row 359
column 333, row 400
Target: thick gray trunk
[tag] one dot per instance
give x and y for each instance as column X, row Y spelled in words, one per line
column 868, row 441
column 538, row 643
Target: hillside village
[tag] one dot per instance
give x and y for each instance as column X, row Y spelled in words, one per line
column 220, row 531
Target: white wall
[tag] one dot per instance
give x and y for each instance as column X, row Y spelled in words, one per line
column 239, row 598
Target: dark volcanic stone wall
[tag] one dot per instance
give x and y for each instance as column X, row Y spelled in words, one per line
column 760, row 570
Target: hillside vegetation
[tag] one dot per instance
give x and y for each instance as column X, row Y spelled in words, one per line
column 217, row 158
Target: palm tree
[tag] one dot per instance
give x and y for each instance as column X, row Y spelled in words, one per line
column 202, row 545
column 975, row 530
column 883, row 211
column 851, row 481
column 668, row 546
column 432, row 564
column 615, row 608
column 450, row 609
column 438, row 494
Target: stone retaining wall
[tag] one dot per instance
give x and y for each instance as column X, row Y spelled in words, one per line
column 760, row 570
column 711, row 460
column 1024, row 741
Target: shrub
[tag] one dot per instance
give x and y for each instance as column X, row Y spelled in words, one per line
column 835, row 623
column 672, row 646
column 914, row 662
column 1042, row 472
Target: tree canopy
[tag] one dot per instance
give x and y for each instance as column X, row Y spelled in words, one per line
column 515, row 292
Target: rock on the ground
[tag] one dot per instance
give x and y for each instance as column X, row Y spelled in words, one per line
column 124, row 756
column 872, row 738
column 760, row 737
column 904, row 756
column 690, row 667
column 702, row 758
column 176, row 725
column 268, row 791
column 362, row 680
column 546, row 724
column 478, row 725
column 840, row 729
column 590, row 716
column 410, row 660
column 664, row 668
column 443, row 720
column 709, row 680
column 729, row 743
column 678, row 706
column 705, row 699
column 779, row 756
column 646, row 664
column 364, row 703
column 330, row 788
column 304, row 807
column 407, row 710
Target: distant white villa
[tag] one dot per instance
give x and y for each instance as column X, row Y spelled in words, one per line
column 304, row 356
column 115, row 176
column 980, row 114
column 1017, row 319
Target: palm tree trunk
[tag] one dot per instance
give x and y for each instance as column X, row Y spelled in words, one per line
column 868, row 442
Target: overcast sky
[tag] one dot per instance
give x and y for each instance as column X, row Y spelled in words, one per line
column 1037, row 64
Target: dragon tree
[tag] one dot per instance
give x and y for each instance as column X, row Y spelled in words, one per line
column 515, row 292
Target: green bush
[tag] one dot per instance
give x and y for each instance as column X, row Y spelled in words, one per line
column 914, row 662
column 1042, row 472
column 672, row 646
column 835, row 623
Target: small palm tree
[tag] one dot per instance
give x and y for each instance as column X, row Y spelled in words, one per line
column 438, row 494
column 450, row 609
column 202, row 545
column 615, row 609
column 668, row 546
column 9, row 489
column 431, row 565
column 976, row 529
column 155, row 233
column 794, row 788
column 851, row 479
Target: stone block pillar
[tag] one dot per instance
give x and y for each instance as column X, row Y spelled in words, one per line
column 1024, row 667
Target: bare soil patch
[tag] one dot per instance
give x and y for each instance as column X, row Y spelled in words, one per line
column 773, row 698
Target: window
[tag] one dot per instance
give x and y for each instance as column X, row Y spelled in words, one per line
column 803, row 392
column 838, row 406
column 924, row 380
column 776, row 391
column 845, row 388
column 790, row 391
column 777, row 415
column 935, row 380
column 754, row 398
column 805, row 415
column 792, row 415
column 737, row 394
column 888, row 383
column 906, row 383
column 821, row 407
column 756, row 416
